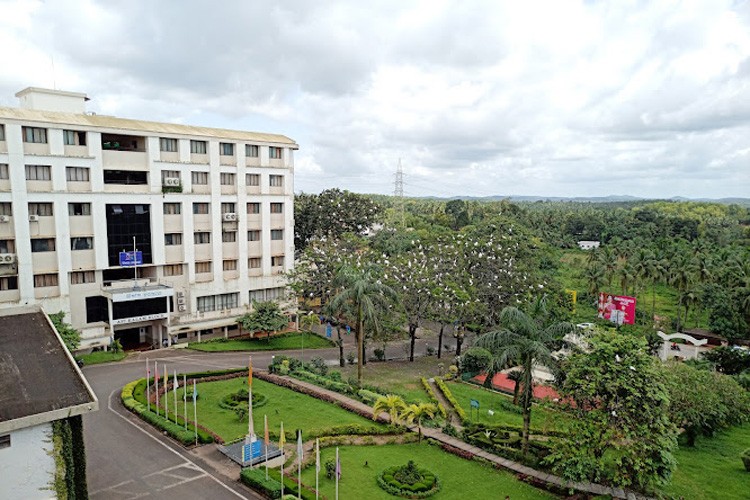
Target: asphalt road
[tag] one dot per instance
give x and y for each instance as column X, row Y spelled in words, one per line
column 128, row 459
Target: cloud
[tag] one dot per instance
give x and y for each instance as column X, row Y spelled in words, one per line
column 563, row 98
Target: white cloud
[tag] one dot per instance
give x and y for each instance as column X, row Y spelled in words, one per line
column 548, row 98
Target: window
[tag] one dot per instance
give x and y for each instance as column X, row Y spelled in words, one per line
column 82, row 277
column 77, row 174
column 200, row 178
column 42, row 244
column 6, row 209
column 173, row 239
column 229, row 236
column 82, row 243
column 173, row 270
column 44, row 280
column 226, row 179
column 74, row 138
column 126, row 177
column 228, row 208
column 274, row 153
column 253, row 262
column 253, row 235
column 200, row 208
column 79, row 208
column 172, row 208
column 4, row 174
column 277, row 208
column 218, row 302
column 276, row 180
column 252, row 179
column 7, row 246
column 202, row 267
column 169, row 174
column 2, row 132
column 202, row 238
column 253, row 208
column 198, row 147
column 41, row 209
column 277, row 261
column 226, row 148
column 251, row 150
column 38, row 172
column 277, row 234
column 36, row 135
column 230, row 265
column 9, row 283
column 168, row 145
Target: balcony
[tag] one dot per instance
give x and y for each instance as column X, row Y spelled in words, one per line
column 124, row 151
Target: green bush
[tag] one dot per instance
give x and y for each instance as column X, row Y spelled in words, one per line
column 408, row 481
column 368, row 397
column 256, row 479
column 746, row 459
column 475, row 360
column 322, row 381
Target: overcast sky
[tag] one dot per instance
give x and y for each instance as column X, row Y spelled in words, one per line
column 556, row 98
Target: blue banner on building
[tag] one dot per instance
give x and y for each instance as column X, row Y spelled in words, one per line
column 131, row 259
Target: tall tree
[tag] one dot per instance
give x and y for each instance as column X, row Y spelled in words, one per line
column 265, row 317
column 525, row 339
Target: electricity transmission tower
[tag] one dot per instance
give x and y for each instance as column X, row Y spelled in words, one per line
column 398, row 191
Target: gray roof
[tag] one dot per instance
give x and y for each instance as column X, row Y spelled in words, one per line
column 39, row 380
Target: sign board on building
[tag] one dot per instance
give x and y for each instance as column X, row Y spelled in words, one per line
column 131, row 259
column 138, row 319
column 142, row 294
column 618, row 309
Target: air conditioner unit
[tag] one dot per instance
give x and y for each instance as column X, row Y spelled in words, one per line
column 229, row 217
column 182, row 308
column 180, row 293
column 171, row 181
column 181, row 301
column 33, row 218
column 4, row 218
column 7, row 258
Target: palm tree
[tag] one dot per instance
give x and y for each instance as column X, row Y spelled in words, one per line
column 364, row 295
column 391, row 404
column 416, row 413
column 527, row 340
column 515, row 376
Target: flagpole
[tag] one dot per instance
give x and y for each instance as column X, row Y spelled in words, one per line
column 166, row 393
column 299, row 465
column 250, row 429
column 184, row 396
column 195, row 414
column 317, row 465
column 338, row 472
column 174, row 390
column 156, row 385
column 282, row 439
column 135, row 266
column 148, row 385
column 265, row 439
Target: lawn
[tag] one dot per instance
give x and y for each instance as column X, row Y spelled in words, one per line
column 95, row 358
column 541, row 418
column 400, row 377
column 460, row 478
column 286, row 341
column 713, row 469
column 297, row 411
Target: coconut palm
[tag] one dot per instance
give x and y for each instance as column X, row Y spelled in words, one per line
column 365, row 296
column 417, row 413
column 392, row 405
column 526, row 340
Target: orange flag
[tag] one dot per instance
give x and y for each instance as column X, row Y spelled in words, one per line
column 250, row 373
column 265, row 432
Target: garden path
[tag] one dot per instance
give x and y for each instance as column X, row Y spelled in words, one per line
column 452, row 415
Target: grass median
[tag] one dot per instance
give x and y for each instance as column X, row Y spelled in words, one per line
column 286, row 341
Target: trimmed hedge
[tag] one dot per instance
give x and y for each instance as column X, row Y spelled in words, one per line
column 451, row 399
column 426, row 487
column 256, row 479
column 433, row 397
column 176, row 431
column 326, row 382
column 368, row 397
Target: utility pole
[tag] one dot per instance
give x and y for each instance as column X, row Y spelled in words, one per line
column 398, row 191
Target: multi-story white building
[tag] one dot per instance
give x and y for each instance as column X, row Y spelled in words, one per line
column 210, row 210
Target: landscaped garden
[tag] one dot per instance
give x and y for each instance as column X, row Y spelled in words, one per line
column 287, row 341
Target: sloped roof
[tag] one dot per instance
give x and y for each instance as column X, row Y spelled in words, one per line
column 39, row 380
column 124, row 124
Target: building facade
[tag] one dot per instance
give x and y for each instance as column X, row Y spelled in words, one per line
column 208, row 211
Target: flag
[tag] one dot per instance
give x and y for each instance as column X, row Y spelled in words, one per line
column 176, row 384
column 338, row 464
column 195, row 392
column 299, row 445
column 282, row 438
column 317, row 455
column 265, row 430
column 250, row 373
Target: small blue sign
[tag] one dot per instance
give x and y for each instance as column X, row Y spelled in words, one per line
column 348, row 329
column 247, row 452
column 474, row 403
column 329, row 330
column 131, row 259
column 256, row 448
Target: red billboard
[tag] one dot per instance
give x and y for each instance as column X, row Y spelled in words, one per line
column 618, row 309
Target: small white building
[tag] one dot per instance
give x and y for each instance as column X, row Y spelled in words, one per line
column 588, row 245
column 40, row 385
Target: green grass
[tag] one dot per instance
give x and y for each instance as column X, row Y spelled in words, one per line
column 297, row 411
column 541, row 418
column 101, row 357
column 400, row 377
column 713, row 468
column 280, row 342
column 460, row 478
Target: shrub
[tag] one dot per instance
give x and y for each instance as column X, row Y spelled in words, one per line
column 746, row 459
column 318, row 366
column 379, row 354
column 350, row 357
column 326, row 382
column 450, row 430
column 330, row 468
column 409, row 481
column 256, row 479
column 335, row 376
column 433, row 398
column 475, row 360
column 368, row 397
column 430, row 350
column 452, row 372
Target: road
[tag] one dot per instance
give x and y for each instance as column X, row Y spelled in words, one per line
column 128, row 459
